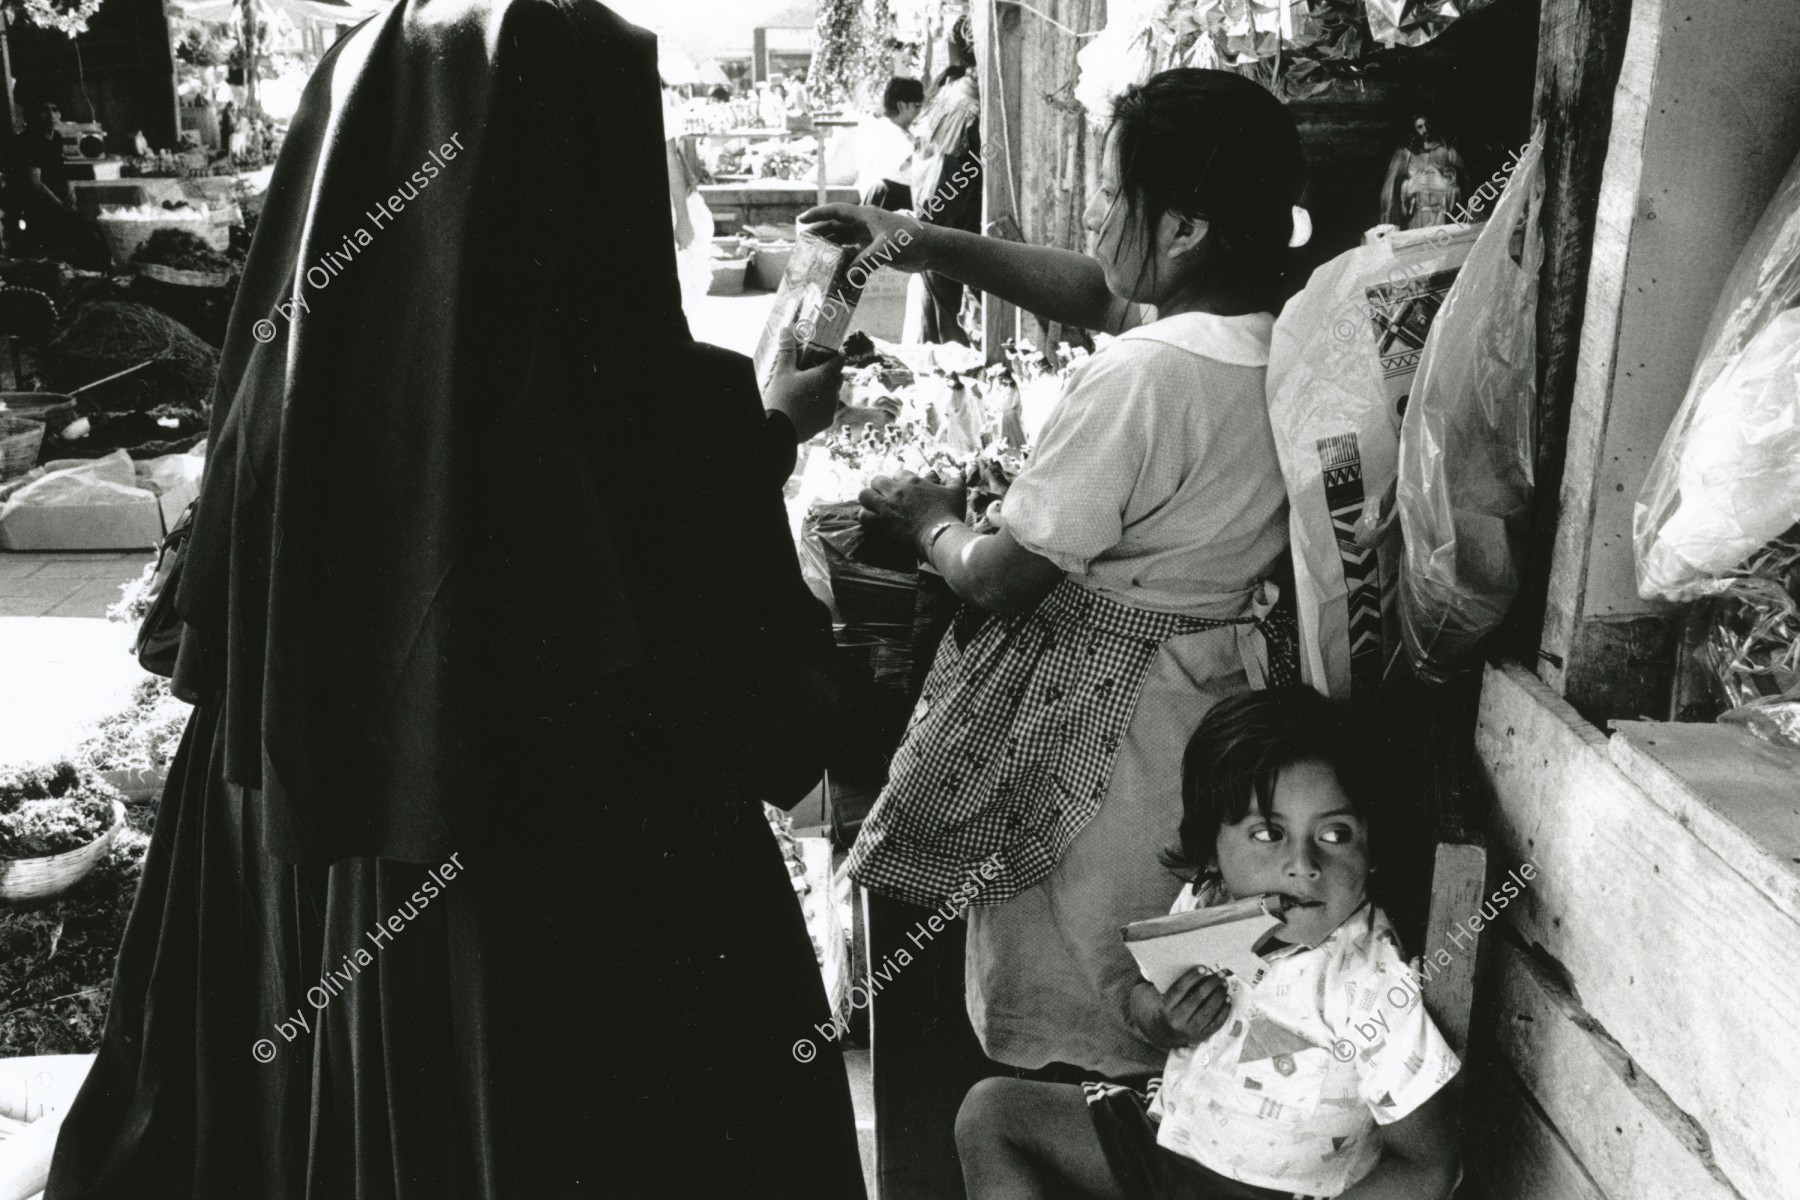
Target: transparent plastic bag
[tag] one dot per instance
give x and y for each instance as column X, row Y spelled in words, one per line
column 1469, row 438
column 79, row 482
column 1727, row 478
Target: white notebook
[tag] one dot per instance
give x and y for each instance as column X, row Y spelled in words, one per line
column 1222, row 938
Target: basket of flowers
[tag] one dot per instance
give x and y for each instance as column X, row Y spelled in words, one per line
column 56, row 824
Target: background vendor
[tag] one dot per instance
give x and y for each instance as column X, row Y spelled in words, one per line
column 884, row 147
column 36, row 199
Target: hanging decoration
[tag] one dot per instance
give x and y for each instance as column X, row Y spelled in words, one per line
column 67, row 17
column 854, row 51
column 1415, row 22
column 1297, row 48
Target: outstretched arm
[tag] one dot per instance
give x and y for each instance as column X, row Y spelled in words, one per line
column 1058, row 285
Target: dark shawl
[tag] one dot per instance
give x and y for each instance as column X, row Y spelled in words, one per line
column 480, row 467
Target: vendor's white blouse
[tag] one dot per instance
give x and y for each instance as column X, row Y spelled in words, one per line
column 1155, row 479
column 883, row 151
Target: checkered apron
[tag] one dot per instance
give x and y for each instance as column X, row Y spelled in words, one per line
column 1010, row 748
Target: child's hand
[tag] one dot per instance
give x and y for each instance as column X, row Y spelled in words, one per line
column 1186, row 1015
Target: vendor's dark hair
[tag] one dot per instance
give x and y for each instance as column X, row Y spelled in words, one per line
column 30, row 95
column 1218, row 146
column 900, row 91
column 1241, row 746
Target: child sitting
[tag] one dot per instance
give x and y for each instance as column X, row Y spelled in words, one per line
column 1278, row 1092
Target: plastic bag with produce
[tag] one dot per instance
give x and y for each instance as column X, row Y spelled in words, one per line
column 1468, row 444
column 1727, row 478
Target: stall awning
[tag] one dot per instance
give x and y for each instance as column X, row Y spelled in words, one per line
column 675, row 67
column 314, row 12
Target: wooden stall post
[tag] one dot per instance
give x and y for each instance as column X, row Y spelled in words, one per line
column 1052, row 134
column 997, row 42
column 1581, row 44
column 1705, row 121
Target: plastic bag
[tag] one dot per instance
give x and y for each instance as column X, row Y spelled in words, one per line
column 874, row 588
column 1341, row 364
column 1727, row 478
column 1469, row 440
column 81, row 482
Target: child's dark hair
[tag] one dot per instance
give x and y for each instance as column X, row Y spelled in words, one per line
column 1240, row 748
column 1217, row 146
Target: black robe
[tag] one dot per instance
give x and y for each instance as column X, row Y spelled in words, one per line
column 460, row 885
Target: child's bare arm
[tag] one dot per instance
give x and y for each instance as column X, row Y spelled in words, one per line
column 1418, row 1154
column 1187, row 1014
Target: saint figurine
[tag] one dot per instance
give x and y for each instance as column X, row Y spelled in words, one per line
column 1426, row 180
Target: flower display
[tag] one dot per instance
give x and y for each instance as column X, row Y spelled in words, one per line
column 1298, row 48
column 67, row 17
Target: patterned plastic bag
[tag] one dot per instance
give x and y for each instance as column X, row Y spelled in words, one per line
column 1341, row 365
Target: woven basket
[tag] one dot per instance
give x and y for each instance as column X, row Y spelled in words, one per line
column 20, row 440
column 26, row 879
column 138, row 783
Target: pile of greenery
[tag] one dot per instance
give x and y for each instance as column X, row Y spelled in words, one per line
column 144, row 736
column 52, row 810
column 56, row 956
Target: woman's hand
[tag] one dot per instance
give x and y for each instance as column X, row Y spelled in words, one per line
column 1186, row 1015
column 887, row 239
column 809, row 397
column 905, row 507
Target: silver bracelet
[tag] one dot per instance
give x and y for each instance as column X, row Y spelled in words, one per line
column 931, row 537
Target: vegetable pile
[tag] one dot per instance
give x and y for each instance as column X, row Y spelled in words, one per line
column 181, row 250
column 955, row 421
column 146, row 735
column 52, row 810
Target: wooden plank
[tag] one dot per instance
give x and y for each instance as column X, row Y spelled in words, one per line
column 1458, row 883
column 1581, row 45
column 1626, row 1132
column 1513, row 1152
column 1625, row 666
column 1686, row 963
column 1739, row 794
column 1691, row 163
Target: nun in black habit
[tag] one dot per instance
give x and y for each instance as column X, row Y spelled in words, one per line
column 460, row 886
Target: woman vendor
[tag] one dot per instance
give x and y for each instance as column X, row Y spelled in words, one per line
column 461, row 884
column 1129, row 587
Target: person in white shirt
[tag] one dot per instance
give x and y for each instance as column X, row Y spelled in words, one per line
column 884, row 147
column 1322, row 1076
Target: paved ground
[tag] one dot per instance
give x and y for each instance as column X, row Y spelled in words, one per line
column 63, row 666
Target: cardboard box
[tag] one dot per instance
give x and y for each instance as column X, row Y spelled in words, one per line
column 136, row 520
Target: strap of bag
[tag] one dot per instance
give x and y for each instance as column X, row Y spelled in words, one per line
column 159, row 634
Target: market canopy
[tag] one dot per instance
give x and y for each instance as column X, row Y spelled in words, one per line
column 675, row 67
column 330, row 12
